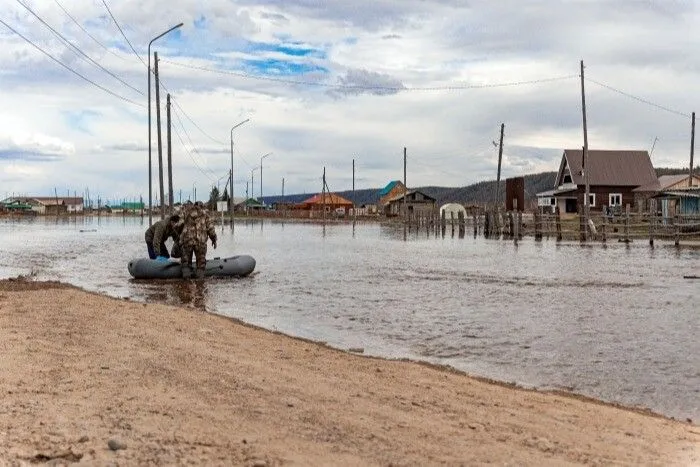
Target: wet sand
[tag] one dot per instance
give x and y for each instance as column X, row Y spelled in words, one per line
column 167, row 385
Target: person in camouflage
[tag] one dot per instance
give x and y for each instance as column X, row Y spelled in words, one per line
column 158, row 233
column 195, row 231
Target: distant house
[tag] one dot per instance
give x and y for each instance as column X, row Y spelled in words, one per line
column 390, row 191
column 674, row 194
column 612, row 177
column 51, row 204
column 417, row 204
column 333, row 203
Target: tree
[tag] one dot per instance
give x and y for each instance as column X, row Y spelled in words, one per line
column 224, row 197
column 213, row 198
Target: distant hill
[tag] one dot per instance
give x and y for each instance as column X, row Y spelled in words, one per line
column 478, row 193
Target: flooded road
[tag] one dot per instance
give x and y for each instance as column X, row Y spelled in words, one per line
column 616, row 322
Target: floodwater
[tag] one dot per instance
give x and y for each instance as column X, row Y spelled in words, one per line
column 616, row 322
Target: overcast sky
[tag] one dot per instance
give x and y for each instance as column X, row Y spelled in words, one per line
column 326, row 81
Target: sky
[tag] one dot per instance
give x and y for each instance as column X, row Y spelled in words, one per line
column 326, row 82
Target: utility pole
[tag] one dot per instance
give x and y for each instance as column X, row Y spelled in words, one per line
column 692, row 149
column 405, row 194
column 498, row 173
column 171, row 200
column 586, row 198
column 354, row 206
column 282, row 204
column 323, row 194
column 160, row 139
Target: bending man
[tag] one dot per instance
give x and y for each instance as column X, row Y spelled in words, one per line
column 157, row 234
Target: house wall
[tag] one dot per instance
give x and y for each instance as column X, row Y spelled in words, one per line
column 602, row 196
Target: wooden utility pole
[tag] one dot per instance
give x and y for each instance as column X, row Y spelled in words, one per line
column 171, row 200
column 692, row 149
column 283, row 206
column 405, row 194
column 584, row 160
column 160, row 139
column 354, row 206
column 497, row 199
column 323, row 194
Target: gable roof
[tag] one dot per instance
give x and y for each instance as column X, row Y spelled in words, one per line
column 666, row 181
column 390, row 186
column 408, row 194
column 331, row 198
column 608, row 167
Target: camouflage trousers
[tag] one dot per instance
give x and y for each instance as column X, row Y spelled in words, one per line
column 199, row 251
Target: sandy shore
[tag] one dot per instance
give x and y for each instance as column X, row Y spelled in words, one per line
column 165, row 386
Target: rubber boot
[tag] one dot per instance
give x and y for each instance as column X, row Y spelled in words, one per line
column 186, row 272
column 199, row 274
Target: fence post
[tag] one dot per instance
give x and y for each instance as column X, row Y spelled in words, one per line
column 538, row 226
column 627, row 223
column 652, row 220
column 557, row 211
column 514, row 222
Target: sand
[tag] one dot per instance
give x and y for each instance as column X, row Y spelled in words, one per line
column 94, row 380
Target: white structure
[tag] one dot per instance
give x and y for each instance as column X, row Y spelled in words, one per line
column 453, row 209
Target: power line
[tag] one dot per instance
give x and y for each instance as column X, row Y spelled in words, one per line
column 370, row 88
column 177, row 116
column 642, row 100
column 123, row 35
column 177, row 133
column 88, row 33
column 67, row 42
column 69, row 68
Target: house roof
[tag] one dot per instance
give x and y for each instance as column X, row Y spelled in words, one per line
column 666, row 181
column 609, row 167
column 409, row 193
column 331, row 198
column 387, row 189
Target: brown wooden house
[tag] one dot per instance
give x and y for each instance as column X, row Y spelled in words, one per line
column 333, row 203
column 612, row 176
column 417, row 204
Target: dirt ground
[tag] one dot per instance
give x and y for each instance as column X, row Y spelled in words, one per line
column 99, row 381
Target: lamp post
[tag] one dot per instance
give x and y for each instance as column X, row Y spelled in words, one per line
column 252, row 186
column 150, row 177
column 261, row 159
column 230, row 194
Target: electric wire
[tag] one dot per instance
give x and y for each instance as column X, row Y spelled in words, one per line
column 177, row 133
column 369, row 88
column 88, row 33
column 640, row 99
column 69, row 68
column 77, row 49
column 194, row 149
column 122, row 33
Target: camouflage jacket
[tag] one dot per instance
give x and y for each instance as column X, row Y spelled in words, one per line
column 197, row 227
column 159, row 232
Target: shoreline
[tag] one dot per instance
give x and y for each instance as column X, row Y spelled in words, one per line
column 84, row 366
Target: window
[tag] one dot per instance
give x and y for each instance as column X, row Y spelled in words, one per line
column 615, row 199
column 567, row 178
column 591, row 199
column 552, row 201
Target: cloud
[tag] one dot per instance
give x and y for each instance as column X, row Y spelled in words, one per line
column 355, row 82
column 327, row 82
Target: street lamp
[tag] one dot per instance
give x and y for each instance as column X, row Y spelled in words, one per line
column 150, row 178
column 261, row 159
column 230, row 194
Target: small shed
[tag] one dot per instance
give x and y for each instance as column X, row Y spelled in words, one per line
column 452, row 210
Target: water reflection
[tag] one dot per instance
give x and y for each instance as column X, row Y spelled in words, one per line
column 189, row 293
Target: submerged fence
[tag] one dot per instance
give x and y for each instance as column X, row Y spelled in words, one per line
column 621, row 227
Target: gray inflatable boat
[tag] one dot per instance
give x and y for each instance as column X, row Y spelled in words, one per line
column 146, row 268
